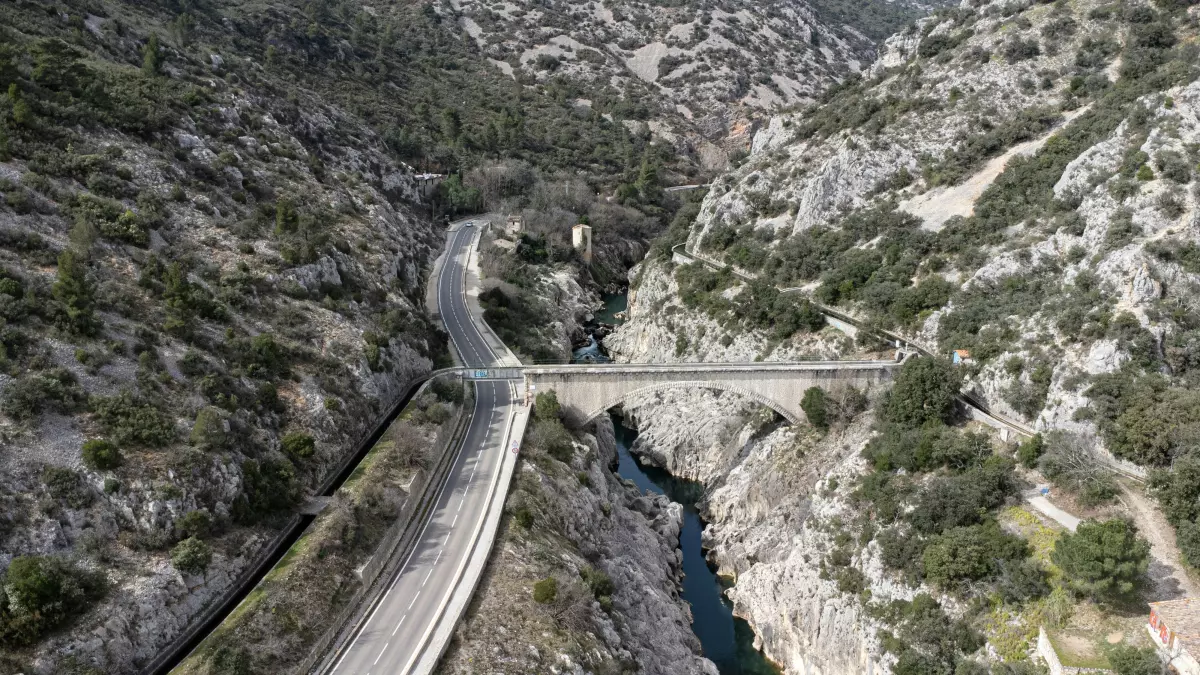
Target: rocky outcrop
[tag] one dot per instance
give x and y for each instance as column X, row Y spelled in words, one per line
column 581, row 519
column 773, row 496
column 658, row 319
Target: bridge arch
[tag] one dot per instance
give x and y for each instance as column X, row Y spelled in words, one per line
column 618, row 399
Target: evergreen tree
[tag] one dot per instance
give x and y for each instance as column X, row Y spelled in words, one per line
column 151, row 57
column 74, row 292
column 813, row 405
column 1103, row 560
column 925, row 391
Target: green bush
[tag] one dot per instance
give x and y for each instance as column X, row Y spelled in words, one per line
column 523, row 517
column 268, row 487
column 1130, row 660
column 133, row 421
column 545, row 591
column 599, row 583
column 813, row 405
column 924, row 391
column 208, row 431
column 101, row 455
column 969, row 553
column 964, row 499
column 67, row 486
column 54, row 390
column 546, row 406
column 40, row 593
column 552, row 437
column 191, row 556
column 1029, row 451
column 196, row 524
column 298, row 446
column 1105, row 561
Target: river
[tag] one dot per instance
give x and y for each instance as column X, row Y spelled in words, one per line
column 726, row 640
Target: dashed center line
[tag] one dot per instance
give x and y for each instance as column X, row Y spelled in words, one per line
column 381, row 651
column 414, row 600
column 399, row 624
column 430, row 572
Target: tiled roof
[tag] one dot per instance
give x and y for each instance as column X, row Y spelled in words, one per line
column 1182, row 618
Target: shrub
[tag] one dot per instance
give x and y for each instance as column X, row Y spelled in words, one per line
column 813, row 405
column 546, row 406
column 553, row 438
column 75, row 295
column 523, row 517
column 54, row 390
column 196, row 524
column 132, row 421
column 67, row 486
column 1103, row 560
column 969, row 553
column 1130, row 660
column 545, row 591
column 39, row 593
column 1029, row 451
column 954, row 501
column 191, row 556
column 267, row 488
column 1017, row 49
column 298, row 446
column 101, row 455
column 924, row 391
column 599, row 583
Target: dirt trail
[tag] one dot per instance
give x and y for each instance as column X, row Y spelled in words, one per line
column 1166, row 569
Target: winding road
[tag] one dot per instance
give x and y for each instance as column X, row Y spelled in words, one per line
column 396, row 635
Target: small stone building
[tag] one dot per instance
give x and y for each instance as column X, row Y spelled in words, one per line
column 581, row 240
column 514, row 226
column 1175, row 627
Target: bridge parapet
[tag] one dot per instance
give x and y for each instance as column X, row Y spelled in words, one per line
column 587, row 391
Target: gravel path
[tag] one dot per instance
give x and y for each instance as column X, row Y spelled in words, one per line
column 1166, row 569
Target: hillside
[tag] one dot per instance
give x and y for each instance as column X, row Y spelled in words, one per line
column 1015, row 180
column 1019, row 184
column 212, row 261
column 700, row 74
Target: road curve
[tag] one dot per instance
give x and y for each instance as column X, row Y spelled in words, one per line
column 399, row 625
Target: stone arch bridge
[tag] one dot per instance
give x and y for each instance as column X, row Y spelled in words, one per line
column 586, row 391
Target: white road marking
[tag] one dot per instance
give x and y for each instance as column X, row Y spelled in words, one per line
column 430, row 572
column 454, row 521
column 475, row 347
column 439, row 555
column 381, row 651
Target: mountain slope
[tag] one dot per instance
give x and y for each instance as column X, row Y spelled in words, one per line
column 699, row 73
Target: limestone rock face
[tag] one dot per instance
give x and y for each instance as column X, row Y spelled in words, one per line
column 768, row 493
column 599, row 522
column 658, row 319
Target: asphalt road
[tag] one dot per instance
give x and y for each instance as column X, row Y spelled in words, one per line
column 399, row 626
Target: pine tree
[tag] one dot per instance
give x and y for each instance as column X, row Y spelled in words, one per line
column 75, row 293
column 151, row 57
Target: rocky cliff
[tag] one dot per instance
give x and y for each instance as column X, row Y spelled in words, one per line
column 613, row 557
column 1017, row 180
column 774, row 496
